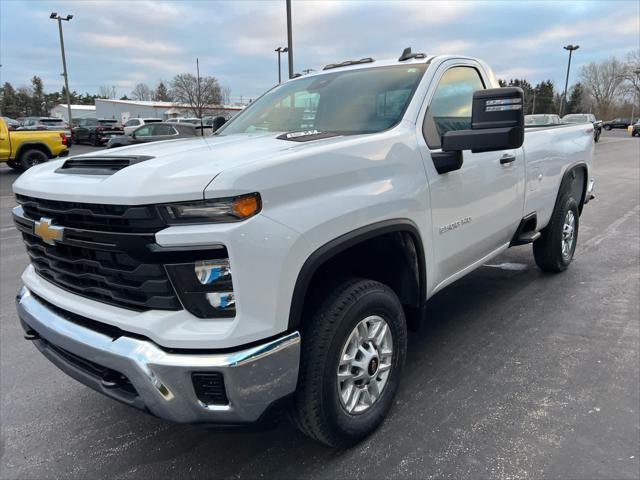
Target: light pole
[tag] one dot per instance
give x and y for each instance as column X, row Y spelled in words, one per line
column 55, row 16
column 570, row 48
column 289, row 39
column 280, row 51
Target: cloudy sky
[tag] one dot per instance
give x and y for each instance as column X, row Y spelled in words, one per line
column 121, row 43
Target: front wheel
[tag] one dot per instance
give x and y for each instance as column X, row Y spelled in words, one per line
column 607, row 127
column 554, row 250
column 353, row 351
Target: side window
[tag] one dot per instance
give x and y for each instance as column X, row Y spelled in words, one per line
column 143, row 131
column 161, row 130
column 450, row 107
column 131, row 123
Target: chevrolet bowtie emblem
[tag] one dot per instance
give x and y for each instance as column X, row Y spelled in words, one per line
column 48, row 233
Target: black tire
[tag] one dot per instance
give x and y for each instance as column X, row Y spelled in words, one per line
column 607, row 127
column 17, row 166
column 548, row 249
column 32, row 157
column 318, row 411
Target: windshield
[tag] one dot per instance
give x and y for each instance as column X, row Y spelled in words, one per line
column 52, row 121
column 353, row 101
column 576, row 119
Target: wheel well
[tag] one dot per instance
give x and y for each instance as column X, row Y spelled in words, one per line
column 393, row 256
column 24, row 148
column 575, row 182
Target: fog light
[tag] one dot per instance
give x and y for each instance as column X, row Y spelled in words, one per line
column 224, row 300
column 209, row 271
column 205, row 287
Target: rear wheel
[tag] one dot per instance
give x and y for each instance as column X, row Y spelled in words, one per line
column 554, row 250
column 354, row 348
column 32, row 157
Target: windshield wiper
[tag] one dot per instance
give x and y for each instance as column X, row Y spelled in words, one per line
column 308, row 135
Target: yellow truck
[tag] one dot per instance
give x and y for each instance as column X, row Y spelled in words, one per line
column 22, row 149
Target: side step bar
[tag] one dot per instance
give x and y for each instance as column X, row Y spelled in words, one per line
column 526, row 232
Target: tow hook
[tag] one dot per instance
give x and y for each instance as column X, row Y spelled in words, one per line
column 31, row 335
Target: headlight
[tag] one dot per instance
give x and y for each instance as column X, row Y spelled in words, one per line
column 220, row 210
column 205, row 287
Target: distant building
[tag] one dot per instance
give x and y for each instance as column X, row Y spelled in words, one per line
column 124, row 110
column 77, row 111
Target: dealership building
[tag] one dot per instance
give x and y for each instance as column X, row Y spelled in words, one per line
column 124, row 110
column 77, row 111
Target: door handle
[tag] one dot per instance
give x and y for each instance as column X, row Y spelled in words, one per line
column 505, row 159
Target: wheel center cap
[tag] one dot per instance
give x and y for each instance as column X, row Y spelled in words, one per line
column 373, row 366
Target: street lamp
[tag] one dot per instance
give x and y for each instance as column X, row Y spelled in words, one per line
column 280, row 51
column 289, row 39
column 55, row 16
column 570, row 48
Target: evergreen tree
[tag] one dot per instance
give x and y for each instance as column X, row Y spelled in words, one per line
column 162, row 93
column 37, row 97
column 545, row 97
column 576, row 99
column 8, row 101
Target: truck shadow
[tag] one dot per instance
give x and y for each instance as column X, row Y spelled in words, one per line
column 457, row 318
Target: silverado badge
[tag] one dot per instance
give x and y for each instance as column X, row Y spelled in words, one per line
column 47, row 232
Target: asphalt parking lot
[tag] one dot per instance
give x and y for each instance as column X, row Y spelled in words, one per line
column 518, row 374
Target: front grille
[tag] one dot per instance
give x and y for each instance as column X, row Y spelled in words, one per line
column 105, row 254
column 110, row 218
column 106, row 276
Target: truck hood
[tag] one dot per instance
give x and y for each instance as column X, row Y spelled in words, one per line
column 180, row 170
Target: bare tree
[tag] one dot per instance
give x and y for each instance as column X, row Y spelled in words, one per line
column 185, row 89
column 632, row 73
column 604, row 83
column 105, row 91
column 142, row 92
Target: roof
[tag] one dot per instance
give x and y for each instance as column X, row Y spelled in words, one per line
column 158, row 104
column 77, row 107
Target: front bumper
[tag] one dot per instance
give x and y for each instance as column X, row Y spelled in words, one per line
column 139, row 373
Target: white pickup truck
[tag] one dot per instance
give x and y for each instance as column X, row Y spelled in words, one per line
column 277, row 264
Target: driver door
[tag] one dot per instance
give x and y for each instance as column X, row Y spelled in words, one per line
column 474, row 210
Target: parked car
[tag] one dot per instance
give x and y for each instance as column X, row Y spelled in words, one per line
column 22, row 149
column 96, row 131
column 541, row 120
column 154, row 132
column 617, row 123
column 11, row 123
column 276, row 267
column 635, row 129
column 585, row 118
column 192, row 120
column 47, row 123
column 134, row 123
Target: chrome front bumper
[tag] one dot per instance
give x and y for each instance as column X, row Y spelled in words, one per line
column 157, row 380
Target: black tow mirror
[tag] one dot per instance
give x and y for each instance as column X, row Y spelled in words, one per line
column 497, row 122
column 218, row 122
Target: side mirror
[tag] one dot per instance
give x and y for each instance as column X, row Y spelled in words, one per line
column 218, row 122
column 497, row 123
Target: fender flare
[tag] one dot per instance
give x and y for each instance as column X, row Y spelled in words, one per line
column 568, row 177
column 348, row 240
column 26, row 145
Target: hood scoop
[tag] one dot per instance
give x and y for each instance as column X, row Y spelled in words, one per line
column 102, row 165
